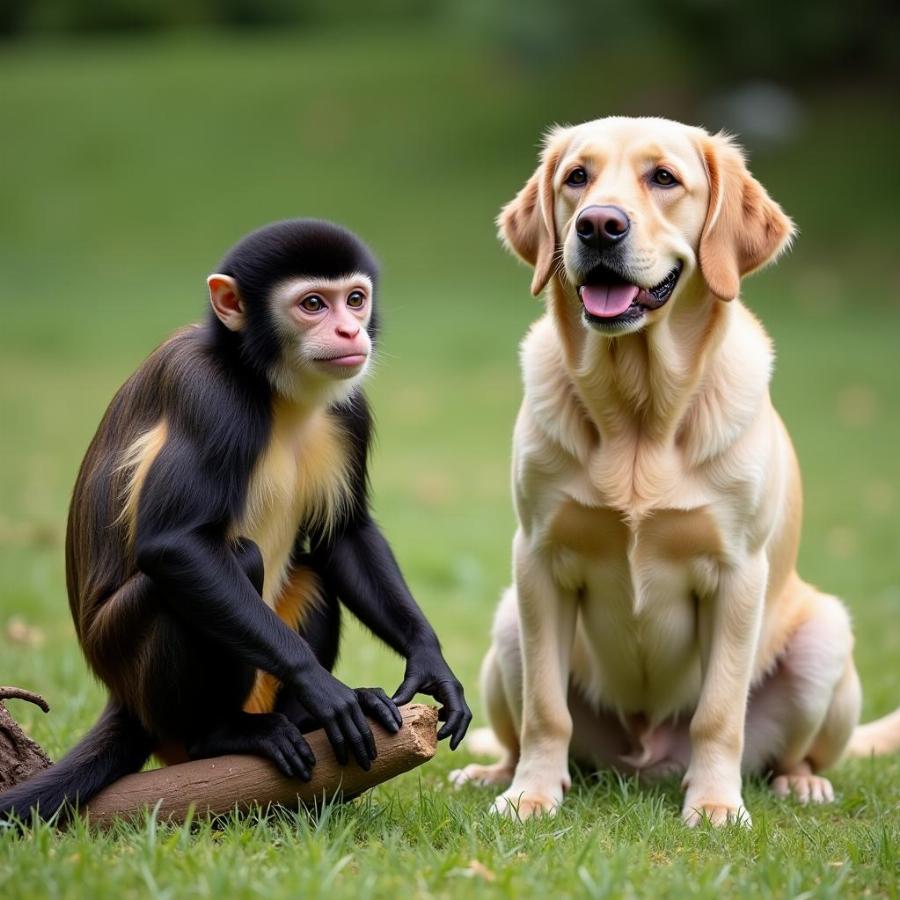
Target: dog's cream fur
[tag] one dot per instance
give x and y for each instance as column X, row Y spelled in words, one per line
column 657, row 622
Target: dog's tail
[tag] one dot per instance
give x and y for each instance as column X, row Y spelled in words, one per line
column 876, row 738
column 115, row 746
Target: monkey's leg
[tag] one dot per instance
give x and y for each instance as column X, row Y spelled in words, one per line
column 139, row 649
column 800, row 719
column 184, row 689
column 195, row 692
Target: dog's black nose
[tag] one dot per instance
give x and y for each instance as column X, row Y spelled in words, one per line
column 602, row 226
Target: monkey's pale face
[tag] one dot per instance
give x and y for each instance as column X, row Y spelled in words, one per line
column 323, row 324
column 323, row 328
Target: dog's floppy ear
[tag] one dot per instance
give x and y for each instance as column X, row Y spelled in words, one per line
column 745, row 228
column 527, row 223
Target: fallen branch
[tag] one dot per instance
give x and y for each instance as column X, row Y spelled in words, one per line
column 20, row 756
column 219, row 785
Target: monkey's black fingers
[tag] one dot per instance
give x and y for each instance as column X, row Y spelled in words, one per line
column 455, row 728
column 282, row 750
column 280, row 760
column 455, row 712
column 293, row 748
column 336, row 739
column 298, row 768
column 449, row 728
column 355, row 743
column 407, row 690
column 303, row 750
column 361, row 738
column 376, row 703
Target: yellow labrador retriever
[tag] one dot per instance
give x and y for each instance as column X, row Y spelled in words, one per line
column 657, row 623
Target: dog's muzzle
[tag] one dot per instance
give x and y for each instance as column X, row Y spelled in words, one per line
column 611, row 300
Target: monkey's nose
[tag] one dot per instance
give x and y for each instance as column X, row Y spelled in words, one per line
column 602, row 226
column 348, row 330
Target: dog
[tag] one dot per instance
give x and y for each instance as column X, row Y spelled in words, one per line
column 656, row 623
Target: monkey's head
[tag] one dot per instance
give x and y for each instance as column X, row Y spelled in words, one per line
column 297, row 298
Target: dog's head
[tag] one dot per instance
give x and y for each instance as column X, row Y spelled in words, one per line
column 626, row 212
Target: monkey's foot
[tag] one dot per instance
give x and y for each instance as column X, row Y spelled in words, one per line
column 498, row 774
column 804, row 787
column 271, row 735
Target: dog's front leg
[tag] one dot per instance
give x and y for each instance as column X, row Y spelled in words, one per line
column 729, row 624
column 547, row 615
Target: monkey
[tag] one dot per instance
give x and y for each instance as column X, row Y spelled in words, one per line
column 221, row 519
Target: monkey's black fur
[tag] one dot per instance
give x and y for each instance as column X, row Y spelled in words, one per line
column 173, row 621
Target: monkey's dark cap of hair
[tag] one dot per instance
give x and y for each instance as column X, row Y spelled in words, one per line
column 295, row 248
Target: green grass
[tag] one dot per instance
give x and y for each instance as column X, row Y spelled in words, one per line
column 129, row 167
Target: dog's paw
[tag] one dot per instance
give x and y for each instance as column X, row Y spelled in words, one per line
column 713, row 794
column 804, row 787
column 717, row 814
column 523, row 805
column 482, row 776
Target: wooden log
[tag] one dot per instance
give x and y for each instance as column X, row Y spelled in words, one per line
column 221, row 784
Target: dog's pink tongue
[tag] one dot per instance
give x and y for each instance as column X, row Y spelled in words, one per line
column 606, row 301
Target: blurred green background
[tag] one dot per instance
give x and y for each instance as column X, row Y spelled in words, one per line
column 138, row 140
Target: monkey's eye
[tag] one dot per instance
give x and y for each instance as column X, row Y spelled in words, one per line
column 577, row 177
column 312, row 303
column 356, row 299
column 663, row 178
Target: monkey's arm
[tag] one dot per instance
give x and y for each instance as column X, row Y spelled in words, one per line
column 184, row 513
column 362, row 570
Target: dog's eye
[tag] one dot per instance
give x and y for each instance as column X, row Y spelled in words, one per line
column 663, row 178
column 577, row 177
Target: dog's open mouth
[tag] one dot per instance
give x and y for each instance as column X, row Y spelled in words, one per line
column 609, row 298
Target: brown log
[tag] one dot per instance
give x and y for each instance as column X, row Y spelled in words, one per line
column 20, row 756
column 221, row 784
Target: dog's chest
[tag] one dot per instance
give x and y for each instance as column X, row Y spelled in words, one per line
column 301, row 480
column 638, row 583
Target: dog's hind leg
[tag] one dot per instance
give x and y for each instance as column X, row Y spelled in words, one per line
column 501, row 687
column 801, row 717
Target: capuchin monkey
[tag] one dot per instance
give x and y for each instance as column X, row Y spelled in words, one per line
column 220, row 515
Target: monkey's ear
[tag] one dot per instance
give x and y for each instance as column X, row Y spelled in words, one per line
column 226, row 301
column 745, row 228
column 527, row 224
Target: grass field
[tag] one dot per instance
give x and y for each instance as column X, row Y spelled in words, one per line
column 129, row 167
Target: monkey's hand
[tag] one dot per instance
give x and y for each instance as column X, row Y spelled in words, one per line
column 427, row 672
column 341, row 711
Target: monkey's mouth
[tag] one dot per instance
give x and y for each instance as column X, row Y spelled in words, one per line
column 610, row 300
column 347, row 360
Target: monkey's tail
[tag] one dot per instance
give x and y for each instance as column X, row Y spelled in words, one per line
column 876, row 738
column 115, row 746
